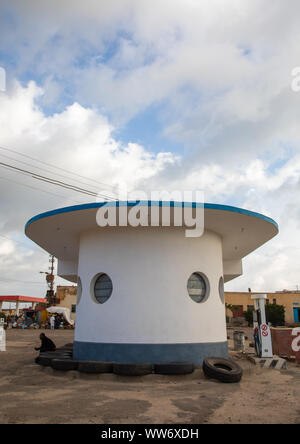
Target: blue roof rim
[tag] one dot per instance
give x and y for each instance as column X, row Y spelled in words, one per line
column 209, row 206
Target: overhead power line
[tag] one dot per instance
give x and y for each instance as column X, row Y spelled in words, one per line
column 40, row 169
column 39, row 189
column 7, row 280
column 56, row 167
column 54, row 181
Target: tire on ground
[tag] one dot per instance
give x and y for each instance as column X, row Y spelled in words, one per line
column 224, row 370
column 132, row 369
column 174, row 368
column 95, row 367
column 64, row 352
column 64, row 364
column 60, row 355
column 45, row 361
column 46, row 358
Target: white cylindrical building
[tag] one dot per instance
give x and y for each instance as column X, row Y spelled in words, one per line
column 149, row 293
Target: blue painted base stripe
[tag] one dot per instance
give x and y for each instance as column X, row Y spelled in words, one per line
column 152, row 353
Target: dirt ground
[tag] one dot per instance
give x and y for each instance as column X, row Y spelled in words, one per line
column 33, row 394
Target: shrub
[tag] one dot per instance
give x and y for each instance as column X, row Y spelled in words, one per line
column 275, row 314
column 248, row 315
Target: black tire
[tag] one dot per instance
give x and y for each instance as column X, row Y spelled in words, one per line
column 64, row 364
column 65, row 349
column 132, row 369
column 64, row 352
column 224, row 370
column 46, row 358
column 54, row 353
column 57, row 355
column 48, row 353
column 61, row 351
column 95, row 367
column 174, row 368
column 45, row 361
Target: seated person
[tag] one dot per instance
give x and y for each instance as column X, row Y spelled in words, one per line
column 46, row 344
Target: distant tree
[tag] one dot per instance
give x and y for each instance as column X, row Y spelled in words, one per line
column 275, row 314
column 248, row 315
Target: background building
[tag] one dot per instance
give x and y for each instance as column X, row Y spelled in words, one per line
column 289, row 299
column 66, row 296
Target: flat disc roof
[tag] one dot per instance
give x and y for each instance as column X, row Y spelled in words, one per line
column 242, row 231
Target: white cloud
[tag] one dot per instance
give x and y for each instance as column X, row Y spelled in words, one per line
column 6, row 248
column 77, row 139
column 127, row 55
column 220, row 73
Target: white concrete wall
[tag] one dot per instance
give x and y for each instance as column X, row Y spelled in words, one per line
column 67, row 270
column 232, row 269
column 149, row 268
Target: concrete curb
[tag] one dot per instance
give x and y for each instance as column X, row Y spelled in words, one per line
column 276, row 362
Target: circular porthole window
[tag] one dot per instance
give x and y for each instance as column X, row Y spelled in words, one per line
column 221, row 290
column 79, row 290
column 103, row 288
column 198, row 287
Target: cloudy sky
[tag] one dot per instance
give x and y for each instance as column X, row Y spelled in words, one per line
column 172, row 94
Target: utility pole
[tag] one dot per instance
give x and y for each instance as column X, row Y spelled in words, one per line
column 50, row 281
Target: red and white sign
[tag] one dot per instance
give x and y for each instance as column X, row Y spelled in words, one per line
column 265, row 330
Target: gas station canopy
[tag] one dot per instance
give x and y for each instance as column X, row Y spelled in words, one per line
column 26, row 299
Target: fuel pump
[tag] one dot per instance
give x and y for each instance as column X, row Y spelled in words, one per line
column 261, row 330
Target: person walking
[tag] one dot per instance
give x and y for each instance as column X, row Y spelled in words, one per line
column 52, row 322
